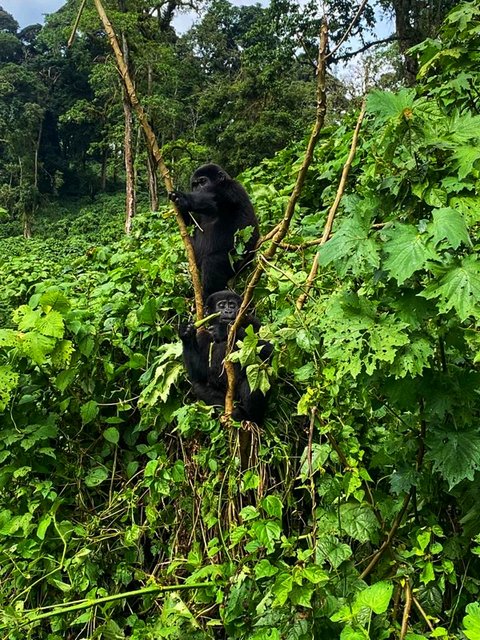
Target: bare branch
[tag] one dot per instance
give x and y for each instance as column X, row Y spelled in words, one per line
column 333, row 209
column 406, row 610
column 350, row 27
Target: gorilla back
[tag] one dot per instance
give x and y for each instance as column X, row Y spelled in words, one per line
column 219, row 206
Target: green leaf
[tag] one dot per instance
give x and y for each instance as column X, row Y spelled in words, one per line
column 51, row 324
column 385, row 104
column 89, row 411
column 282, row 587
column 455, row 454
column 273, row 506
column 349, row 633
column 257, row 377
column 377, row 597
column 111, row 435
column 43, row 526
column 36, row 346
column 96, row 476
column 315, row 574
column 448, row 224
column 406, row 252
column 428, row 574
column 359, row 522
column 301, row 595
column 471, row 621
column 267, row 532
column 54, row 300
column 466, row 157
column 8, row 382
column 458, row 289
column 264, row 569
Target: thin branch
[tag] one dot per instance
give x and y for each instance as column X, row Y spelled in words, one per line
column 406, row 610
column 310, row 477
column 333, row 209
column 155, row 150
column 422, row 613
column 350, row 27
column 73, row 35
column 386, row 543
column 368, row 46
column 289, row 211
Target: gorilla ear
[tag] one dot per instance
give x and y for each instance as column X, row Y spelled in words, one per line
column 221, row 176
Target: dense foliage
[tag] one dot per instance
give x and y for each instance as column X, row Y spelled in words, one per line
column 123, row 509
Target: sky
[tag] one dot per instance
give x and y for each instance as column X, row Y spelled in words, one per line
column 28, row 12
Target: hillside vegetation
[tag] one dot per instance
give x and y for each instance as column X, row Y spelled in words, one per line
column 124, row 512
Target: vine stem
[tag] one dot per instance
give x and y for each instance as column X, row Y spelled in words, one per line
column 333, row 209
column 155, row 150
column 406, row 610
column 282, row 228
column 386, row 543
column 93, row 602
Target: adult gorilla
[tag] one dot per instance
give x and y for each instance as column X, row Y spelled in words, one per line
column 219, row 206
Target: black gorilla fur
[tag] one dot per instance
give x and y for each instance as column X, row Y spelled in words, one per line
column 220, row 206
column 204, row 354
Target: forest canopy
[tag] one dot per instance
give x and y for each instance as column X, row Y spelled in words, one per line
column 127, row 508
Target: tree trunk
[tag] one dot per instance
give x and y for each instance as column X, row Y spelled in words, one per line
column 130, row 195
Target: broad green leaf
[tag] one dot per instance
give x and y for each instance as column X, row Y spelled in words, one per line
column 8, row 338
column 257, row 377
column 96, row 476
column 349, row 633
column 51, row 324
column 111, row 435
column 264, row 569
column 273, row 506
column 26, row 317
column 448, row 224
column 43, row 526
column 267, row 532
column 466, row 157
column 455, row 454
column 406, row 251
column 359, row 522
column 147, row 314
column 377, row 597
column 89, row 411
column 386, row 104
column 458, row 289
column 62, row 354
column 36, row 346
column 282, row 587
column 65, row 379
column 471, row 621
column 54, row 299
column 428, row 574
column 8, row 382
column 301, row 595
column 315, row 574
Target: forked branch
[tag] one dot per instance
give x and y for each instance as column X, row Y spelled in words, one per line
column 282, row 228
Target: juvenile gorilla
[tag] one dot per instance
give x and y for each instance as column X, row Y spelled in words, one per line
column 219, row 206
column 204, row 354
